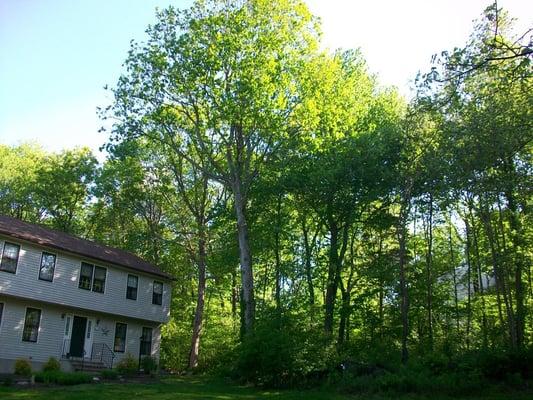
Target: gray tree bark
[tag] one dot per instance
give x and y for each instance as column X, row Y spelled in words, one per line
column 245, row 256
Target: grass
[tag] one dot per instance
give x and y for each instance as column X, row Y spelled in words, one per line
column 196, row 388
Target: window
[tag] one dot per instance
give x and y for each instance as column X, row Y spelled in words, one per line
column 1, row 312
column 99, row 279
column 10, row 257
column 157, row 296
column 48, row 264
column 31, row 325
column 120, row 337
column 93, row 277
column 86, row 276
column 131, row 290
column 146, row 342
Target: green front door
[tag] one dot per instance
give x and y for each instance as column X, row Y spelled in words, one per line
column 77, row 340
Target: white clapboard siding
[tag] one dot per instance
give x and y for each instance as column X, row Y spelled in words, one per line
column 64, row 288
column 49, row 340
column 52, row 327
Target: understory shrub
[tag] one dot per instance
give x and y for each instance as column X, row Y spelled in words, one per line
column 407, row 380
column 22, row 367
column 148, row 364
column 8, row 381
column 62, row 378
column 282, row 353
column 109, row 374
column 498, row 366
column 439, row 373
column 51, row 365
column 129, row 365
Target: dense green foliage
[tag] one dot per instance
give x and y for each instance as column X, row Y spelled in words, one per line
column 128, row 365
column 51, row 365
column 471, row 373
column 110, row 374
column 22, row 367
column 390, row 241
column 148, row 365
column 62, row 378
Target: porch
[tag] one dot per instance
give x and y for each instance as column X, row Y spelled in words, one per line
column 99, row 357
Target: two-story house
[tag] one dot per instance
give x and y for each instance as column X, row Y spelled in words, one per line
column 75, row 300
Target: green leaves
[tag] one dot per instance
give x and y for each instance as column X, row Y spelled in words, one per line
column 46, row 187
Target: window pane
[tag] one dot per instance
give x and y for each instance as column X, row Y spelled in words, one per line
column 99, row 279
column 31, row 325
column 147, row 334
column 131, row 291
column 132, row 280
column 10, row 257
column 1, row 312
column 48, row 263
column 120, row 338
column 86, row 275
column 157, row 296
column 158, row 287
column 67, row 326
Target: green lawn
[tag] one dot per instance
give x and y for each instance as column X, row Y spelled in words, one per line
column 194, row 388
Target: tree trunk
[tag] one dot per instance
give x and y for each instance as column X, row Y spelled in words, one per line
column 345, row 313
column 404, row 298
column 517, row 241
column 346, row 309
column 198, row 316
column 381, row 291
column 454, row 266
column 277, row 239
column 429, row 274
column 234, row 296
column 308, row 271
column 331, row 289
column 530, row 282
column 336, row 259
column 499, row 276
column 469, row 280
column 480, row 281
column 247, row 279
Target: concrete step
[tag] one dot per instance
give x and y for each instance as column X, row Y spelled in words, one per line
column 87, row 365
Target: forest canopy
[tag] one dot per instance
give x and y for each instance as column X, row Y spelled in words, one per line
column 311, row 216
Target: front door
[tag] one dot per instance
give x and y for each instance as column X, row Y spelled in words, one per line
column 77, row 339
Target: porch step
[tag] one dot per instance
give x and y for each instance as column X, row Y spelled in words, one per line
column 87, row 365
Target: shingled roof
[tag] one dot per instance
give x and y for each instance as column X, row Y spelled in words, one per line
column 63, row 241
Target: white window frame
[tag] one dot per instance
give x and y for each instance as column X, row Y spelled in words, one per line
column 162, row 292
column 91, row 285
column 18, row 257
column 41, row 264
column 125, row 338
column 136, row 289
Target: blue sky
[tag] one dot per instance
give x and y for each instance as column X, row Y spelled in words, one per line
column 57, row 55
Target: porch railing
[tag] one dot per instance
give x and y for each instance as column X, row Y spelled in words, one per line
column 103, row 353
column 100, row 352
